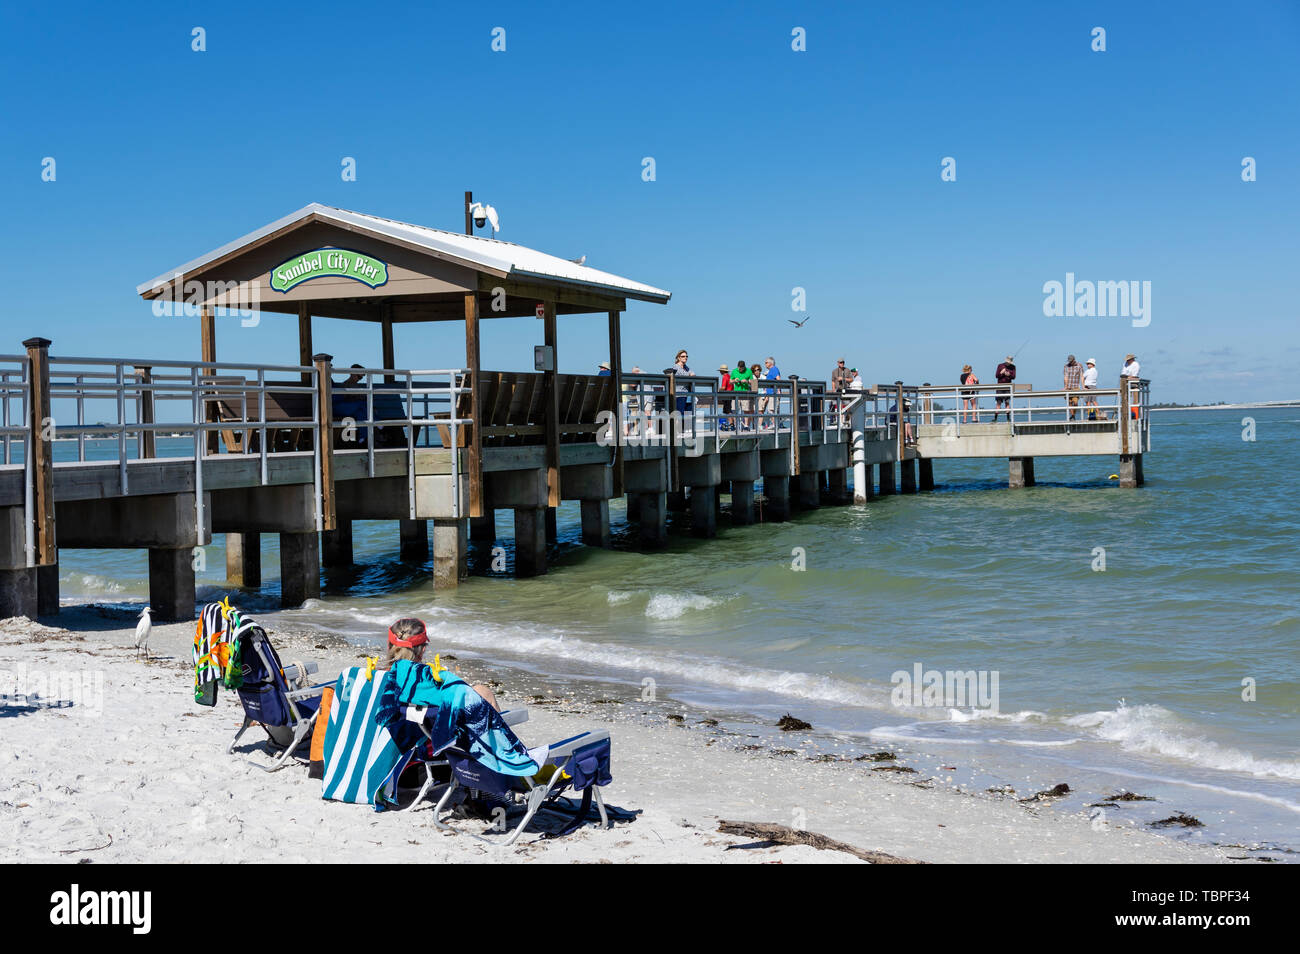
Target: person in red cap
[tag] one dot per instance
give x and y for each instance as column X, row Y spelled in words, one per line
column 407, row 639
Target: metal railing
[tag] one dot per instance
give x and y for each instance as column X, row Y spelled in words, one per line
column 699, row 411
column 114, row 410
column 955, row 406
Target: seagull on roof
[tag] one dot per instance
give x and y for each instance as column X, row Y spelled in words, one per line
column 581, row 260
column 799, row 324
column 142, row 631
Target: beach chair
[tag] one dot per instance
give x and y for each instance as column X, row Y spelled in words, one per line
column 275, row 696
column 580, row 763
column 364, row 760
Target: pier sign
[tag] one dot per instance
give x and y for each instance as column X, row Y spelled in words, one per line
column 332, row 262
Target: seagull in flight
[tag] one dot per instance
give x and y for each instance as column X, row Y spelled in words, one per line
column 799, row 324
column 142, row 631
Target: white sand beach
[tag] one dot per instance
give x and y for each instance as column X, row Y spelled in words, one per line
column 137, row 772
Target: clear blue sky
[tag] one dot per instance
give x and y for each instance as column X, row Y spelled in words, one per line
column 775, row 169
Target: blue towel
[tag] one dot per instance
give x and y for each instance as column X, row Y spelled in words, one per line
column 457, row 716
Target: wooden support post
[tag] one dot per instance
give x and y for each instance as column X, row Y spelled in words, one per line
column 305, row 350
column 794, row 426
column 616, row 401
column 389, row 351
column 670, row 408
column 900, row 422
column 1123, row 417
column 552, row 408
column 475, row 462
column 147, row 445
column 42, row 450
column 325, row 438
column 208, row 332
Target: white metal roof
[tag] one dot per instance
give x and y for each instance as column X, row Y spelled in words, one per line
column 492, row 254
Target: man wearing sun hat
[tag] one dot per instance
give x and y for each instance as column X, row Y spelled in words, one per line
column 1128, row 376
column 1090, row 384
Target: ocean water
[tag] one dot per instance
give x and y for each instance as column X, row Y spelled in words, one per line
column 1173, row 672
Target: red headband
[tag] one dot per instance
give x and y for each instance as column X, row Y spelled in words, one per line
column 419, row 639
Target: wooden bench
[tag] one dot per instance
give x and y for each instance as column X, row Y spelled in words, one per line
column 235, row 401
column 512, row 408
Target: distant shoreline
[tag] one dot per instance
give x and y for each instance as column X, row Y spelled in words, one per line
column 1227, row 407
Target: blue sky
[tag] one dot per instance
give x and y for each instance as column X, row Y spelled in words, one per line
column 775, row 169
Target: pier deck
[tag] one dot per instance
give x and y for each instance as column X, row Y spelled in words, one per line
column 180, row 451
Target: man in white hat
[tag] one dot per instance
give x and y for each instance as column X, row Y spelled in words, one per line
column 1090, row 384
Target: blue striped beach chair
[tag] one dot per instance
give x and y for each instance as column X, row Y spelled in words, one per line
column 364, row 760
column 580, row 763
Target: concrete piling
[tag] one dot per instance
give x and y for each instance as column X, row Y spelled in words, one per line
column 449, row 552
column 1022, row 472
column 414, row 536
column 171, row 584
column 244, row 559
column 299, row 568
column 530, row 541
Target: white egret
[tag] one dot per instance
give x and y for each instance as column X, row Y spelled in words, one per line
column 142, row 631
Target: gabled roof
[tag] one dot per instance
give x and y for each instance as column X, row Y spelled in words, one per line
column 483, row 254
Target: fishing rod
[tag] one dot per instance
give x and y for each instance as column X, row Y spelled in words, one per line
column 1015, row 354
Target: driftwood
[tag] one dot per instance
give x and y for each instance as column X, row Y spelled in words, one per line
column 783, row 835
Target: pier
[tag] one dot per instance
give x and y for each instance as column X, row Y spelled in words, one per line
column 102, row 452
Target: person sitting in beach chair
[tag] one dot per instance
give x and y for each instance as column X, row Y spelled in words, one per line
column 366, row 759
column 458, row 729
column 275, row 696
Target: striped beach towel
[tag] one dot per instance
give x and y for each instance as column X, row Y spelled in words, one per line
column 362, row 759
column 210, row 654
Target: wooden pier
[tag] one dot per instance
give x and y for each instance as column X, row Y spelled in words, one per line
column 154, row 455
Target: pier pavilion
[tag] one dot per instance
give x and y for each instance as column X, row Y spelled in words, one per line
column 160, row 455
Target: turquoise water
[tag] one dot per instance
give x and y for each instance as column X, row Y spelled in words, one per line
column 1131, row 677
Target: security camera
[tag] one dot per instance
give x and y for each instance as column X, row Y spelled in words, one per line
column 480, row 215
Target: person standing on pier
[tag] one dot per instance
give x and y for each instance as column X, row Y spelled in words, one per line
column 1090, row 384
column 1073, row 381
column 840, row 376
column 724, row 385
column 767, row 404
column 1128, row 377
column 742, row 379
column 683, row 403
column 968, row 400
column 1006, row 374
